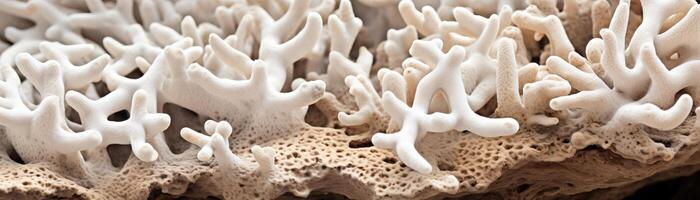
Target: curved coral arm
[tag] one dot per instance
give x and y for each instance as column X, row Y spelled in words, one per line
column 212, row 128
column 151, row 122
column 223, row 154
column 426, row 21
column 653, row 116
column 344, row 27
column 365, row 97
column 47, row 124
column 403, row 142
column 550, row 25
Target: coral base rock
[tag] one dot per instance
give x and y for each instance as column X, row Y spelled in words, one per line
column 536, row 163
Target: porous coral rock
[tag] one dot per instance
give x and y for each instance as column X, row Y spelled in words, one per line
column 304, row 98
column 626, row 105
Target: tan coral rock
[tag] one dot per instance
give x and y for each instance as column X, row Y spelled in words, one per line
column 280, row 99
column 317, row 157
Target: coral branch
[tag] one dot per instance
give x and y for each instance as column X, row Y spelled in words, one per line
column 416, row 121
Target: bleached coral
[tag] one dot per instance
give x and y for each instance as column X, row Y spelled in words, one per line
column 416, row 121
column 39, row 132
column 369, row 99
column 637, row 92
column 217, row 144
column 264, row 79
column 531, row 106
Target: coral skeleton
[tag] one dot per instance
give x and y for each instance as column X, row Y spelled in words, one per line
column 626, row 105
column 416, row 121
column 217, row 144
column 385, row 99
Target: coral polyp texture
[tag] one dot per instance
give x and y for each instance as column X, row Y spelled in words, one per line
column 367, row 99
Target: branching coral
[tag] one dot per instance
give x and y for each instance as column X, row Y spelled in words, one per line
column 142, row 124
column 40, row 133
column 530, row 107
column 267, row 74
column 344, row 27
column 416, row 121
column 479, row 7
column 217, row 144
column 368, row 99
column 397, row 44
column 534, row 18
column 637, row 92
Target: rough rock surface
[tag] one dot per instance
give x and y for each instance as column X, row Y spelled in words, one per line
column 289, row 98
column 532, row 164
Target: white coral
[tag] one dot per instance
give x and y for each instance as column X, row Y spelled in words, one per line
column 259, row 65
column 368, row 100
column 527, row 108
column 638, row 94
column 40, row 133
column 416, row 121
column 223, row 129
column 215, row 143
column 268, row 75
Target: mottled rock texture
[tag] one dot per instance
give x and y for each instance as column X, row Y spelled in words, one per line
column 326, row 99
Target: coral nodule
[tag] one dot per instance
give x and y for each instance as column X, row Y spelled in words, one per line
column 367, row 99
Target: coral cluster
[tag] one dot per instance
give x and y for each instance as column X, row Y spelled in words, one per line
column 388, row 99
